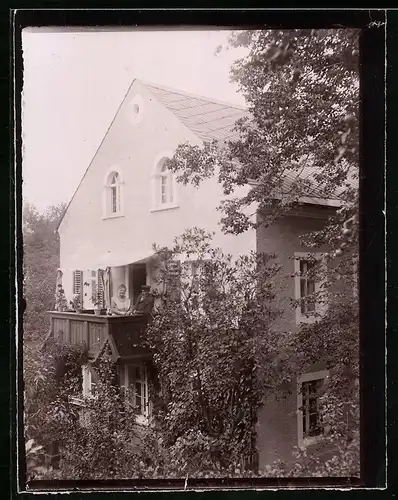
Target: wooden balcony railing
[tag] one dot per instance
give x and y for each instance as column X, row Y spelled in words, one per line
column 123, row 332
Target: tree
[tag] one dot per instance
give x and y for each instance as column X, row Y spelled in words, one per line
column 209, row 338
column 58, row 417
column 99, row 436
column 299, row 139
column 52, row 373
column 40, row 263
column 215, row 353
column 211, row 341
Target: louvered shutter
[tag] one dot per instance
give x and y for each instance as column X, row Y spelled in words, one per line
column 100, row 287
column 78, row 283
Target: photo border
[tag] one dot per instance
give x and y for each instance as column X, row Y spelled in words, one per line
column 372, row 275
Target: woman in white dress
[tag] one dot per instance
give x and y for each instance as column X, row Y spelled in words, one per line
column 121, row 304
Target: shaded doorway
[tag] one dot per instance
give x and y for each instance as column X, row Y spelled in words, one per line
column 137, row 279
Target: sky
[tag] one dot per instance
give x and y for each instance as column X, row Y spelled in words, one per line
column 75, row 81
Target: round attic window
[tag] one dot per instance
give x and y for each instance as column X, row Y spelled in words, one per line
column 136, row 108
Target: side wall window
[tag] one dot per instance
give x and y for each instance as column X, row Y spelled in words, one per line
column 309, row 415
column 310, row 275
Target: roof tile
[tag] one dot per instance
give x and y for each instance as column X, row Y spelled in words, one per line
column 210, row 119
column 207, row 118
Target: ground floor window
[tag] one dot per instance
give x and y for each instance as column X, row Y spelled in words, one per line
column 89, row 381
column 309, row 389
column 134, row 376
column 136, row 379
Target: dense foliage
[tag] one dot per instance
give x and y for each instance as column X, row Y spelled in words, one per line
column 40, row 263
column 100, row 438
column 216, row 354
column 52, row 373
column 211, row 339
column 300, row 137
column 299, row 141
column 94, row 436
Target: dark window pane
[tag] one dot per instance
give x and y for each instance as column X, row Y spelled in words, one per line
column 303, row 294
column 310, row 265
column 310, row 306
column 314, row 429
column 94, row 375
column 114, row 200
column 311, row 417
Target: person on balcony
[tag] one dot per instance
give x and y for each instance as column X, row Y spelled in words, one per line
column 145, row 301
column 120, row 304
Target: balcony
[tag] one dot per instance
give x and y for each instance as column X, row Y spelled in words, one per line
column 122, row 333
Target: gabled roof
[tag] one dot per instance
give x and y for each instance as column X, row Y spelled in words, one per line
column 207, row 118
column 210, row 119
column 315, row 194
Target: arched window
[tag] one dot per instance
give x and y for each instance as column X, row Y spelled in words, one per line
column 164, row 191
column 113, row 194
column 165, row 184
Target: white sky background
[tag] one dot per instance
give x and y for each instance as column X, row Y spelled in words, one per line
column 74, row 83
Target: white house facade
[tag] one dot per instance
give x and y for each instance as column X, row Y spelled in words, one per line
column 128, row 200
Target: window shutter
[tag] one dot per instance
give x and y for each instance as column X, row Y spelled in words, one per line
column 77, row 282
column 100, row 288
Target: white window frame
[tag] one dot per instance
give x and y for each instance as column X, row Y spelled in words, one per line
column 304, row 441
column 158, row 175
column 87, row 381
column 144, row 417
column 320, row 308
column 78, row 401
column 107, row 194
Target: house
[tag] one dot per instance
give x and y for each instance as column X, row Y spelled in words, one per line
column 126, row 201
